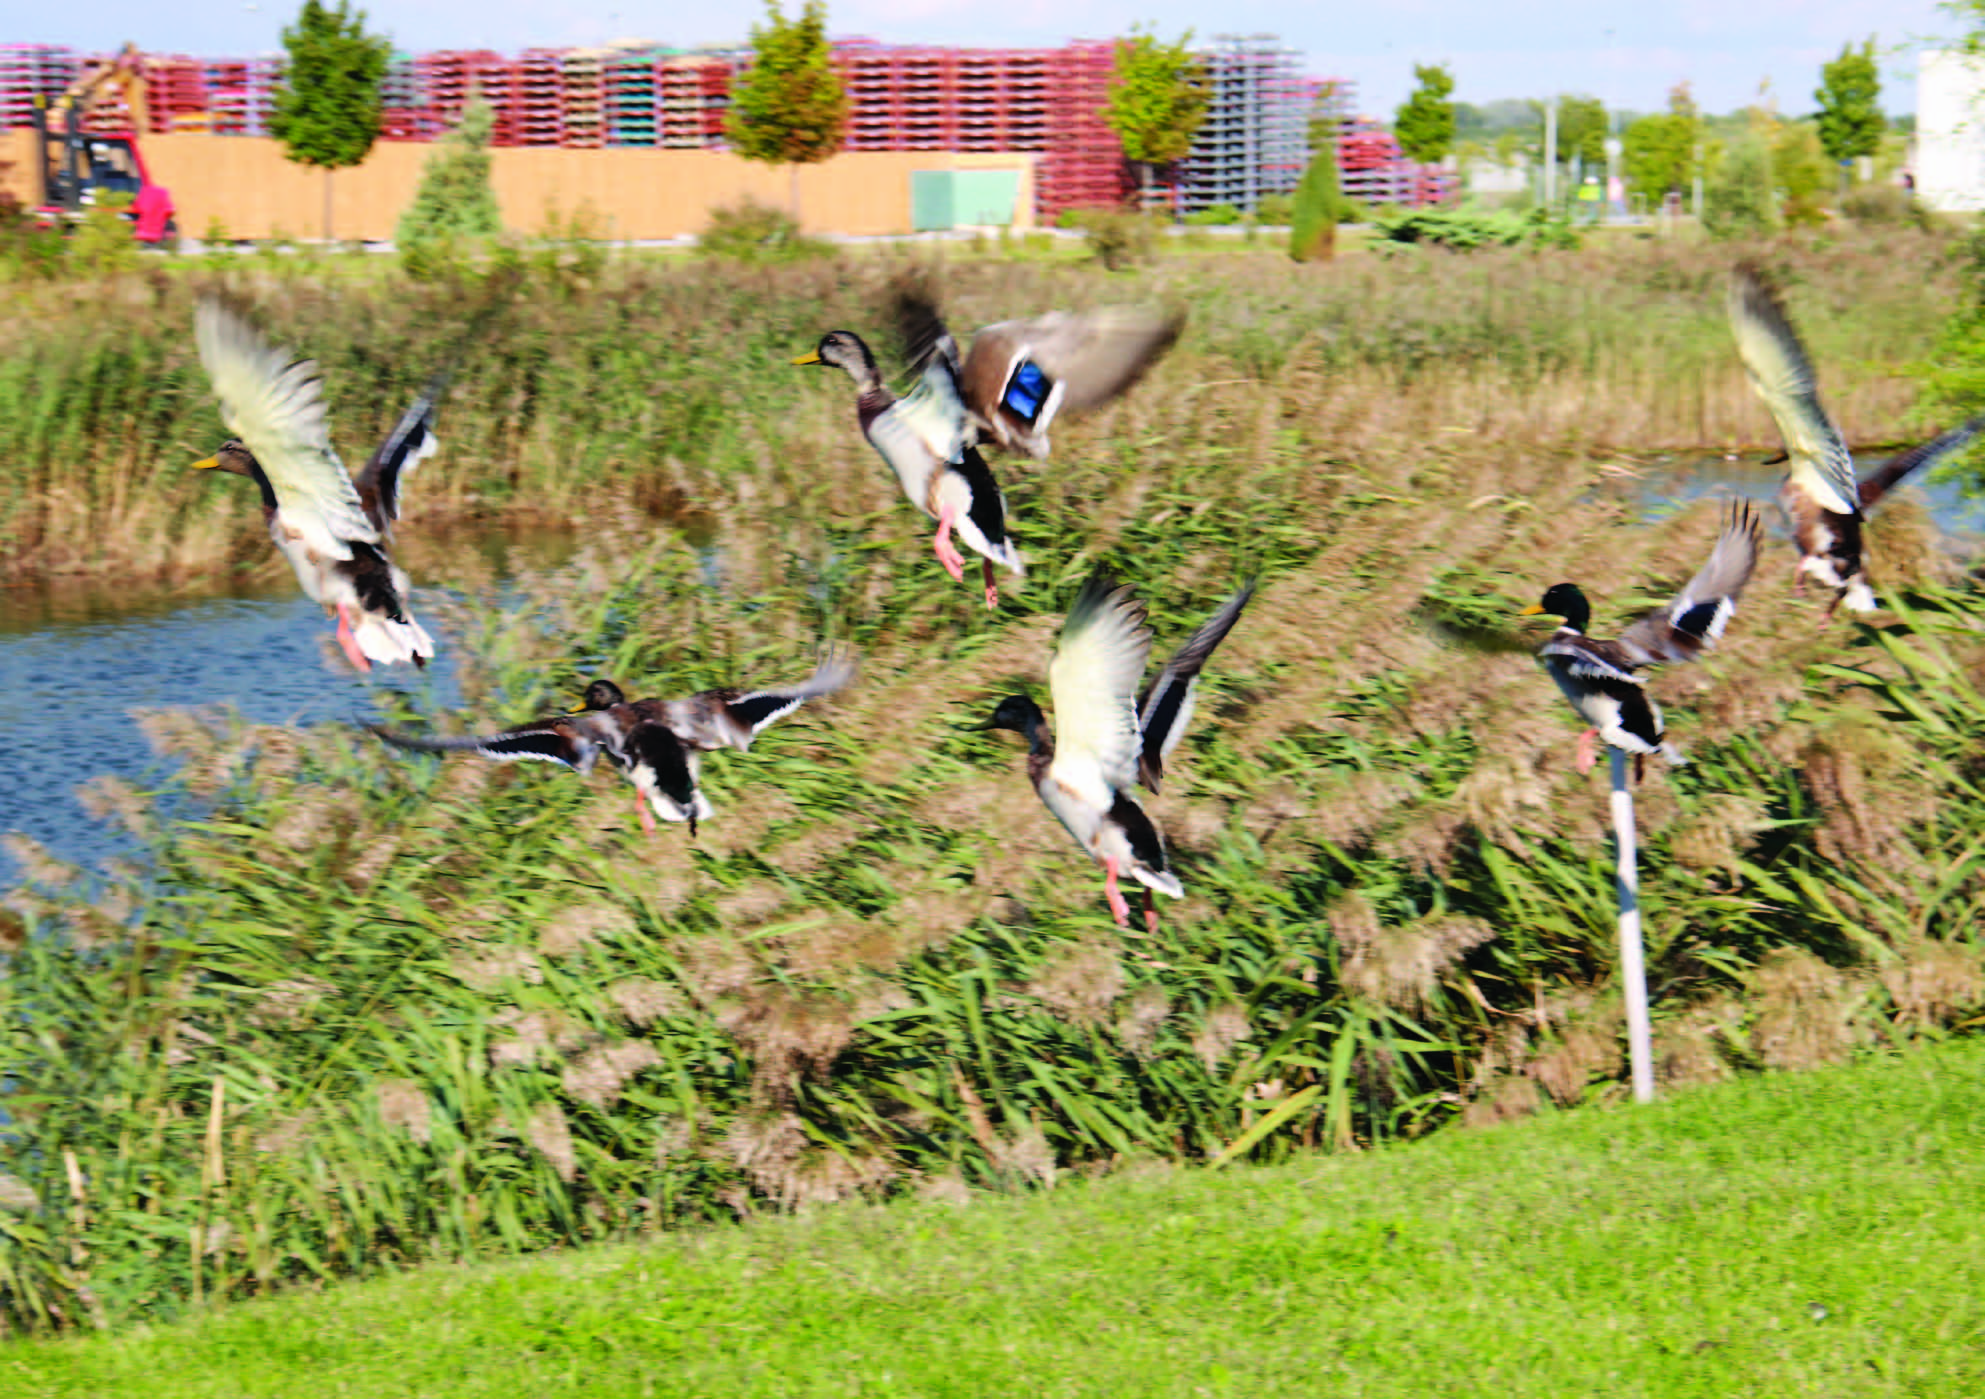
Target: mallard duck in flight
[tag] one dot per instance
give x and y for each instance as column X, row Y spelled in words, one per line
column 333, row 532
column 1823, row 501
column 1110, row 737
column 656, row 743
column 1018, row 375
column 1600, row 677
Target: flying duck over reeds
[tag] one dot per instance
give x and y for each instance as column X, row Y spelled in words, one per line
column 1824, row 503
column 1018, row 375
column 927, row 441
column 1110, row 737
column 333, row 531
column 656, row 743
column 1601, row 678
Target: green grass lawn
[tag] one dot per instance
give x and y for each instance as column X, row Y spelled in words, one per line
column 1815, row 1233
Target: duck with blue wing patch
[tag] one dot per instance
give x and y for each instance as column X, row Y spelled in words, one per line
column 1110, row 739
column 655, row 743
column 1019, row 375
column 1601, row 678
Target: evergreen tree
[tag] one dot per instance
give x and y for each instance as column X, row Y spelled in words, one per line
column 1849, row 94
column 1319, row 204
column 1157, row 101
column 327, row 105
column 1424, row 126
column 455, row 199
column 789, row 108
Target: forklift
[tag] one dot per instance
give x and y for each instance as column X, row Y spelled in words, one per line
column 77, row 168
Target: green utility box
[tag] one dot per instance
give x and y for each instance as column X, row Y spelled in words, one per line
column 943, row 199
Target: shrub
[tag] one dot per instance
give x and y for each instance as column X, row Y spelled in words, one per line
column 1220, row 215
column 1884, row 204
column 103, row 242
column 455, row 202
column 750, row 231
column 1275, row 208
column 28, row 251
column 1118, row 238
column 1313, row 220
column 1738, row 199
column 1465, row 229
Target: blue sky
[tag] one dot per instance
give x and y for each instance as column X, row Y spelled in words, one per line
column 1625, row 54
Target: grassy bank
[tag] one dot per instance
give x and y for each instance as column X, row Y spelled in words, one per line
column 382, row 1010
column 1814, row 1235
column 657, row 383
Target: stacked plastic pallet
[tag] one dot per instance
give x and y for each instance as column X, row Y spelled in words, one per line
column 240, row 94
column 693, row 95
column 28, row 71
column 585, row 97
column 450, row 76
column 176, row 93
column 1083, row 164
column 629, row 98
column 1253, row 141
column 404, row 113
column 868, row 77
column 537, row 101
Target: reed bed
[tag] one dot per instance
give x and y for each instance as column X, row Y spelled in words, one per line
column 618, row 381
column 376, row 1010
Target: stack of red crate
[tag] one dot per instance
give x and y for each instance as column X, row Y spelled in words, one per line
column 583, row 75
column 175, row 93
column 449, row 76
column 1083, row 166
column 713, row 83
column 869, row 77
column 537, row 100
column 927, row 110
column 28, row 71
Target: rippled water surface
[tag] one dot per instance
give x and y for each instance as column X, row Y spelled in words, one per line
column 76, row 659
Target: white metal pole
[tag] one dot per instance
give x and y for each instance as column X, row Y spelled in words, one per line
column 1633, row 971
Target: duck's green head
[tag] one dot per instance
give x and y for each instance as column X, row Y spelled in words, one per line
column 1015, row 712
column 843, row 349
column 1562, row 600
column 601, row 694
column 232, row 457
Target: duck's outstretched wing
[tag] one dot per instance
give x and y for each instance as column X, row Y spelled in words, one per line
column 920, row 328
column 275, row 405
column 1694, row 621
column 1094, row 677
column 411, row 442
column 1166, row 708
column 717, row 718
column 1092, row 356
column 555, row 740
column 1819, row 462
column 1890, row 473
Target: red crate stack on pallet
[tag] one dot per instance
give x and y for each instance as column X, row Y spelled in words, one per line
column 537, row 101
column 176, row 93
column 868, row 76
column 1083, row 166
column 926, row 98
column 239, row 94
column 28, row 71
column 583, row 74
column 713, row 87
column 450, row 76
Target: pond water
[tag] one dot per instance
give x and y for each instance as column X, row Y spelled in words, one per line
column 76, row 658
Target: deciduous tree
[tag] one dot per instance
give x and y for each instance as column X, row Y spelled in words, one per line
column 1850, row 92
column 326, row 110
column 789, row 107
column 1424, row 125
column 1157, row 101
column 1660, row 151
